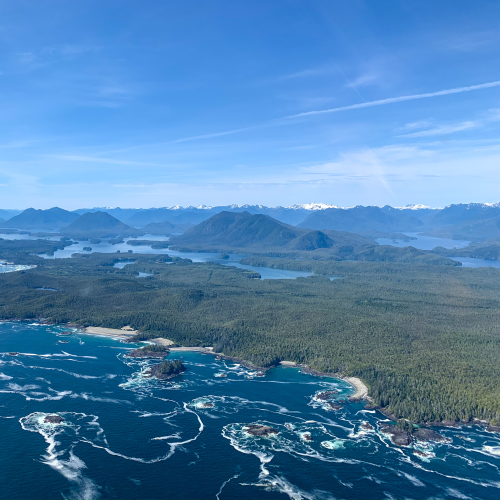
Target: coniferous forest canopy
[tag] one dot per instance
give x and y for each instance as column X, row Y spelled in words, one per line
column 425, row 338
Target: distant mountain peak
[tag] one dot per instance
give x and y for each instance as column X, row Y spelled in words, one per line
column 417, row 206
column 312, row 206
column 97, row 223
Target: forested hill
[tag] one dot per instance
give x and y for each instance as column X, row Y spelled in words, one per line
column 261, row 232
column 165, row 228
column 53, row 218
column 474, row 230
column 98, row 224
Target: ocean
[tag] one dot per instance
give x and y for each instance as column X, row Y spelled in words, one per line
column 126, row 436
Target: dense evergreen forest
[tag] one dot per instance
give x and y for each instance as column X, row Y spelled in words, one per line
column 425, row 338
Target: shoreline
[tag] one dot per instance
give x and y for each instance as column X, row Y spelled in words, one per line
column 361, row 389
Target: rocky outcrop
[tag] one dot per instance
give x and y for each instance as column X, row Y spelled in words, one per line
column 166, row 369
column 307, row 436
column 260, row 430
column 398, row 436
column 53, row 419
column 424, row 434
column 326, row 395
column 144, row 353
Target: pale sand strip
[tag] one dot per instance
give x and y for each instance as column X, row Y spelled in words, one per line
column 109, row 332
column 162, row 341
column 361, row 389
column 193, row 349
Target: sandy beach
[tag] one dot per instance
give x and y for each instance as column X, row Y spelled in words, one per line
column 361, row 389
column 124, row 332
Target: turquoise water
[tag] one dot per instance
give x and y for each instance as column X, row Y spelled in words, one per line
column 129, row 437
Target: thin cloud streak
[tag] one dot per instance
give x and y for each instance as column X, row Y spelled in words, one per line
column 392, row 100
column 210, row 136
column 93, row 159
column 368, row 104
column 285, row 120
column 443, row 130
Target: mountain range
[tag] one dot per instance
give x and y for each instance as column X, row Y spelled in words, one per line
column 474, row 221
column 363, row 220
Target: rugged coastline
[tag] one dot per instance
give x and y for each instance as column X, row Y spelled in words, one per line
column 361, row 392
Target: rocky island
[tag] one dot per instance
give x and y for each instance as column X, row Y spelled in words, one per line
column 167, row 369
column 424, row 434
column 260, row 430
column 53, row 419
column 404, row 433
column 326, row 395
column 399, row 437
column 149, row 351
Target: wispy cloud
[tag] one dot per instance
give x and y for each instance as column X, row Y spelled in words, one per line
column 493, row 115
column 364, row 79
column 392, row 100
column 443, row 129
column 95, row 159
column 325, row 69
column 211, row 136
column 416, row 125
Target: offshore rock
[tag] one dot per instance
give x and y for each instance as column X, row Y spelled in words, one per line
column 307, row 436
column 325, row 395
column 260, row 430
column 144, row 353
column 428, row 435
column 398, row 436
column 53, row 419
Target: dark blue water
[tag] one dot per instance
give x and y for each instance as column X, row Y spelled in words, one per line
column 129, row 437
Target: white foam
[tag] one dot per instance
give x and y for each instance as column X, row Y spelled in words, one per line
column 72, row 467
column 224, row 484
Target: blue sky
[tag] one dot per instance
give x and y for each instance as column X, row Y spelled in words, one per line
column 159, row 103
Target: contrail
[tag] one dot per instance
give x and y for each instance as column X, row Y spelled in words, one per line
column 391, row 100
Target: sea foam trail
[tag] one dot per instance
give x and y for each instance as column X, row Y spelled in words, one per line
column 83, row 488
column 173, row 446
